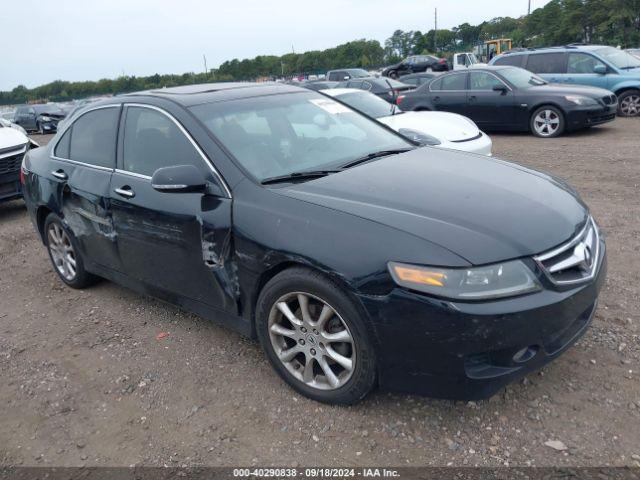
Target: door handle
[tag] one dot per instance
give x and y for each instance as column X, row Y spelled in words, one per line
column 472, row 98
column 59, row 174
column 125, row 192
column 436, row 98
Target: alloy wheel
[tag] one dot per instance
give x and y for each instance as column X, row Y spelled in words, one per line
column 546, row 123
column 312, row 341
column 62, row 252
column 630, row 105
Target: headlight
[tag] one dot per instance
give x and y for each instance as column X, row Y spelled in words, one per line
column 479, row 283
column 580, row 100
column 44, row 118
column 419, row 137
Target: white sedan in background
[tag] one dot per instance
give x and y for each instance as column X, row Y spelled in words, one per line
column 437, row 129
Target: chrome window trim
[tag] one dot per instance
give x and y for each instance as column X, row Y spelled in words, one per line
column 82, row 164
column 206, row 159
column 568, row 245
column 132, row 174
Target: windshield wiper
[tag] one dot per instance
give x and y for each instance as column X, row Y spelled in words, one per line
column 371, row 156
column 295, row 176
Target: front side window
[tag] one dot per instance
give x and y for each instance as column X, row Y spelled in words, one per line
column 93, row 137
column 547, row 63
column 483, row 81
column 152, row 141
column 306, row 131
column 582, row 63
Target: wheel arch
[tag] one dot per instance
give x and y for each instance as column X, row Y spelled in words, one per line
column 42, row 213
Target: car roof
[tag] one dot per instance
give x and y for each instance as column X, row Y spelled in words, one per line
column 189, row 95
column 563, row 48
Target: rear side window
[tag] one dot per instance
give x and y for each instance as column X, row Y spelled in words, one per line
column 93, row 138
column 510, row 60
column 63, row 146
column 153, row 141
column 453, row 82
column 582, row 63
column 547, row 63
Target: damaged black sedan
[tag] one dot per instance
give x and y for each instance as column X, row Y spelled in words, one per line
column 356, row 258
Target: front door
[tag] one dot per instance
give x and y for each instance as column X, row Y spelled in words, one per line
column 81, row 166
column 580, row 70
column 486, row 106
column 175, row 242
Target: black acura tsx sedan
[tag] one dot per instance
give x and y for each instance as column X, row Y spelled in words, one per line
column 356, row 258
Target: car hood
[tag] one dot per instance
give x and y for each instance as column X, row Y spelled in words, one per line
column 442, row 125
column 484, row 210
column 570, row 89
column 11, row 138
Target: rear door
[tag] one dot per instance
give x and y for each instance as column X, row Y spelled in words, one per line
column 486, row 106
column 175, row 242
column 82, row 163
column 449, row 93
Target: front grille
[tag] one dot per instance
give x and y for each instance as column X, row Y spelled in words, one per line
column 575, row 261
column 609, row 99
column 10, row 162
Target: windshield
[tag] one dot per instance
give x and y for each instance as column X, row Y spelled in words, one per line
column 618, row 58
column 277, row 135
column 521, row 78
column 369, row 104
column 358, row 73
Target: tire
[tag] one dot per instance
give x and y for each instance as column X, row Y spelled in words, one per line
column 62, row 244
column 629, row 103
column 393, row 74
column 547, row 122
column 306, row 371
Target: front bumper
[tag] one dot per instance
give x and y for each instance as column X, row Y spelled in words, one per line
column 10, row 186
column 582, row 117
column 469, row 351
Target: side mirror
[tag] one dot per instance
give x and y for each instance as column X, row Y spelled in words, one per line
column 179, row 179
column 500, row 88
column 600, row 69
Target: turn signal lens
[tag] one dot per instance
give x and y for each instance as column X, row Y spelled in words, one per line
column 419, row 276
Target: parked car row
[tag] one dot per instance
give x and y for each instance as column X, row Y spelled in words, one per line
column 592, row 65
column 356, row 258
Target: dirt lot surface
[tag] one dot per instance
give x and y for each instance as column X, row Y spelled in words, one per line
column 84, row 381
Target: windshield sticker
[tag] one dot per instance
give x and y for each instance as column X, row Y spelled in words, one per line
column 330, row 106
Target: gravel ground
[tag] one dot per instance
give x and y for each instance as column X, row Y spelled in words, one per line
column 85, row 381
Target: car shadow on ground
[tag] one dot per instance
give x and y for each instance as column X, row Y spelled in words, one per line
column 12, row 210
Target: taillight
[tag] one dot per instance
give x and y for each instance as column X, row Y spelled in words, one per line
column 442, row 60
column 399, row 99
column 23, row 173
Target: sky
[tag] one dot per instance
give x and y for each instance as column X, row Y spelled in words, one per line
column 92, row 39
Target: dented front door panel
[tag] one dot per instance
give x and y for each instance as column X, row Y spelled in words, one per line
column 177, row 242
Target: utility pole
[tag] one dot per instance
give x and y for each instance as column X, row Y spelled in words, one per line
column 435, row 32
column 529, row 9
column 205, row 63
